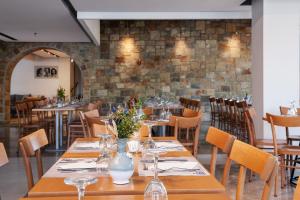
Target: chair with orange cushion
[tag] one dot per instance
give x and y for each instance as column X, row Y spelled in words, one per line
column 223, row 141
column 31, row 145
column 187, row 131
column 256, row 160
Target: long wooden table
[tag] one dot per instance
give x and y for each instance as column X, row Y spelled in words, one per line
column 218, row 196
column 47, row 187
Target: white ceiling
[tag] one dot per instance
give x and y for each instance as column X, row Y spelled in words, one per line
column 50, row 19
column 159, row 5
column 52, row 22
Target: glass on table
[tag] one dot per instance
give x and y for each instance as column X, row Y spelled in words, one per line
column 80, row 182
column 149, row 142
column 155, row 190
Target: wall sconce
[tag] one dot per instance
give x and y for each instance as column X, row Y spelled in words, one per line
column 181, row 48
column 127, row 45
column 234, row 45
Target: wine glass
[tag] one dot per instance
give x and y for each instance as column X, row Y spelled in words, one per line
column 80, row 182
column 105, row 145
column 155, row 190
column 149, row 142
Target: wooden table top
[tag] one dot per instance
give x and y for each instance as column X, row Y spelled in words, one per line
column 218, row 196
column 64, row 108
column 54, row 186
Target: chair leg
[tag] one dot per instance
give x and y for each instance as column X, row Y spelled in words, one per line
column 275, row 185
column 282, row 171
column 69, row 137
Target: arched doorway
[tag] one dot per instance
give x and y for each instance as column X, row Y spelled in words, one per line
column 16, row 59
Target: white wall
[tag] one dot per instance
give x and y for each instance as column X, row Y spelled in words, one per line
column 275, row 51
column 23, row 81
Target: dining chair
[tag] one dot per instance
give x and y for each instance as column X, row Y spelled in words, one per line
column 262, row 163
column 213, row 111
column 31, row 145
column 220, row 104
column 285, row 152
column 187, row 112
column 250, row 116
column 95, row 125
column 223, row 141
column 297, row 191
column 290, row 138
column 3, row 155
column 187, row 130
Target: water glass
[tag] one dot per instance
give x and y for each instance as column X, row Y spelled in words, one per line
column 81, row 183
column 155, row 190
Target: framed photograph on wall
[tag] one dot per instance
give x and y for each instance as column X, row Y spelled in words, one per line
column 46, row 72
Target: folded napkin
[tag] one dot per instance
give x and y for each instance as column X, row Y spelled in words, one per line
column 94, row 145
column 167, row 145
column 79, row 165
column 175, row 165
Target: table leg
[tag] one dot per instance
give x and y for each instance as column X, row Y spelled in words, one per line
column 56, row 130
column 60, row 129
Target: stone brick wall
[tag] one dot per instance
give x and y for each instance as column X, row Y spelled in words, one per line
column 193, row 58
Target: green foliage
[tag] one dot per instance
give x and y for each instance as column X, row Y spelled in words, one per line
column 126, row 122
column 61, row 92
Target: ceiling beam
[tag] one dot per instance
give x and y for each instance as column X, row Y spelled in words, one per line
column 8, row 37
column 163, row 15
column 73, row 13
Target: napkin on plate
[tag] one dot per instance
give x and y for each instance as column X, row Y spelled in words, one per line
column 93, row 145
column 175, row 165
column 167, row 145
column 79, row 165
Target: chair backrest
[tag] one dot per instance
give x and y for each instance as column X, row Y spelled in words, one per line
column 3, row 156
column 281, row 121
column 92, row 106
column 190, row 113
column 189, row 123
column 256, row 160
column 250, row 115
column 283, row 110
column 297, row 191
column 95, row 125
column 223, row 141
column 31, row 145
column 92, row 113
column 83, row 123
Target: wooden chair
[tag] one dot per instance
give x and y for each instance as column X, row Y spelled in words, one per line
column 297, row 191
column 250, row 115
column 95, row 125
column 31, row 145
column 3, row 156
column 286, row 152
column 190, row 113
column 256, row 160
column 290, row 138
column 213, row 111
column 190, row 137
column 223, row 141
column 221, row 113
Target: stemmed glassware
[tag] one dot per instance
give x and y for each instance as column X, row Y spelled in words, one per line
column 80, row 183
column 155, row 190
column 149, row 142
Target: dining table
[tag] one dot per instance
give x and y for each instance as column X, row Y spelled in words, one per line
column 200, row 184
column 70, row 108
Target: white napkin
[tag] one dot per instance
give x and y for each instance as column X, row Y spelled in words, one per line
column 175, row 165
column 167, row 145
column 79, row 165
column 94, row 145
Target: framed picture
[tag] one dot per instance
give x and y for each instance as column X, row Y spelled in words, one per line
column 45, row 72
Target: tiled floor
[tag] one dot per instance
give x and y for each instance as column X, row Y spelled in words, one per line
column 13, row 180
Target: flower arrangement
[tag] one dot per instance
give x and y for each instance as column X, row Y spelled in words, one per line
column 126, row 122
column 61, row 93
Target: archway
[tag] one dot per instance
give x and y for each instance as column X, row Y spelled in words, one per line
column 16, row 59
